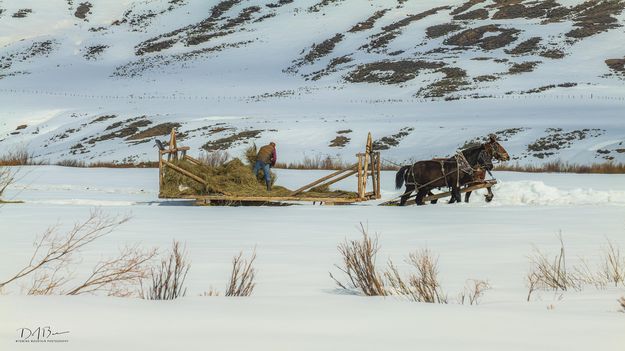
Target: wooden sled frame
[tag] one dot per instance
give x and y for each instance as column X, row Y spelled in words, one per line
column 369, row 165
column 472, row 187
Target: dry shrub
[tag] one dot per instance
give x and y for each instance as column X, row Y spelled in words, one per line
column 167, row 279
column 546, row 274
column 565, row 167
column 18, row 156
column 7, row 177
column 588, row 276
column 103, row 164
column 421, row 286
column 316, row 162
column 613, row 265
column 242, row 276
column 71, row 163
column 359, row 258
column 551, row 273
column 210, row 292
column 473, row 291
column 621, row 302
column 214, row 159
column 54, row 255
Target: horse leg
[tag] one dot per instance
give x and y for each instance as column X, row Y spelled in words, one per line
column 467, row 195
column 404, row 198
column 490, row 195
column 455, row 195
column 420, row 195
column 430, row 193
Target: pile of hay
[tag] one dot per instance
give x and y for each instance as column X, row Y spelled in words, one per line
column 232, row 178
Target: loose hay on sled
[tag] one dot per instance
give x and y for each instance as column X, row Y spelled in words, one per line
column 233, row 183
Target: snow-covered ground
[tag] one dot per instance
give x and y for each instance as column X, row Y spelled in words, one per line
column 296, row 305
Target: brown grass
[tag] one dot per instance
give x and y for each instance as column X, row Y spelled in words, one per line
column 316, row 162
column 565, row 167
column 18, row 156
column 613, row 265
column 550, row 273
column 233, row 178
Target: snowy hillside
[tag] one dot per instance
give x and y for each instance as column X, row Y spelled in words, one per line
column 100, row 80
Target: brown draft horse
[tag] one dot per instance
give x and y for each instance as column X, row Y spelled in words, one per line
column 452, row 172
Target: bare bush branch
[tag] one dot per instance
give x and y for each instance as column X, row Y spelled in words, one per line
column 49, row 280
column 167, row 280
column 621, row 301
column 54, row 252
column 425, row 282
column 7, row 177
column 473, row 291
column 359, row 258
column 242, row 276
column 421, row 285
column 117, row 276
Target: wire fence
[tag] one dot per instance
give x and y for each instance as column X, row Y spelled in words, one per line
column 227, row 98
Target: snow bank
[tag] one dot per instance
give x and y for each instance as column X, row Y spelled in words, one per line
column 541, row 194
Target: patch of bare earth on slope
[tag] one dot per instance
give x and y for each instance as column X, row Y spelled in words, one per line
column 322, row 4
column 380, row 41
column 593, row 17
column 455, row 80
column 316, row 52
column 139, row 20
column 332, row 67
column 390, row 72
column 243, row 137
column 617, row 66
column 368, row 23
column 477, row 37
column 214, row 26
column 36, row 49
column 440, row 30
column 139, row 67
column 83, row 10
column 466, row 6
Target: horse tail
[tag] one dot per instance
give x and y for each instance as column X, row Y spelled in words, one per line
column 400, row 177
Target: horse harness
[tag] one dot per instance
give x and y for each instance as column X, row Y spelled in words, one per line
column 461, row 165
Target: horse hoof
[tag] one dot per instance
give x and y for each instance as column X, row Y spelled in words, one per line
column 489, row 198
column 433, row 202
